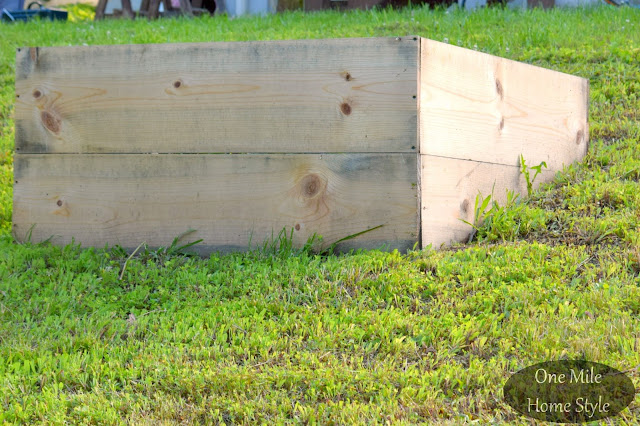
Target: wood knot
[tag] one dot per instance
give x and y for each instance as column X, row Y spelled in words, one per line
column 297, row 226
column 464, row 206
column 177, row 84
column 59, row 203
column 311, row 185
column 50, row 121
column 37, row 94
column 33, row 53
column 346, row 75
column 345, row 108
column 501, row 123
column 499, row 89
column 579, row 137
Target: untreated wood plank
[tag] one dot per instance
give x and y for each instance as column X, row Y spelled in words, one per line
column 229, row 199
column 328, row 136
column 448, row 193
column 480, row 107
column 343, row 95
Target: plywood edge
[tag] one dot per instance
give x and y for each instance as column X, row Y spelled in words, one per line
column 449, row 188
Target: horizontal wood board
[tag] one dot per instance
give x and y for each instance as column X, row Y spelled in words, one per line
column 295, row 96
column 229, row 200
column 479, row 107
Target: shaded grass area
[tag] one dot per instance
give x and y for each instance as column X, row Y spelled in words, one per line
column 287, row 335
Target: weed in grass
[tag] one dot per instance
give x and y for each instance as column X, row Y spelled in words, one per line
column 526, row 172
column 479, row 211
column 505, row 221
column 282, row 245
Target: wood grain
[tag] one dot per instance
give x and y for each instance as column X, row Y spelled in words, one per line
column 229, row 199
column 448, row 193
column 297, row 96
column 475, row 106
column 125, row 144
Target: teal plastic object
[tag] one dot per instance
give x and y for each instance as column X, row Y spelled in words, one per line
column 25, row 15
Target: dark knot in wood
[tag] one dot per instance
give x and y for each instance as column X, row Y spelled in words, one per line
column 499, row 89
column 311, row 185
column 33, row 52
column 464, row 206
column 50, row 121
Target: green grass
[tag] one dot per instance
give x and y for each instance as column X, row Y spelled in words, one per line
column 287, row 335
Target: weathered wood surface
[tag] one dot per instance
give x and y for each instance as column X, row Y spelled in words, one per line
column 478, row 114
column 297, row 96
column 448, row 193
column 475, row 106
column 125, row 144
column 229, row 200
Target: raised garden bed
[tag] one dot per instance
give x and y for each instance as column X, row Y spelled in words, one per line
column 397, row 136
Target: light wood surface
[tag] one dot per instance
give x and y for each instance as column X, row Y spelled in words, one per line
column 343, row 95
column 125, row 144
column 229, row 200
column 475, row 106
column 448, row 193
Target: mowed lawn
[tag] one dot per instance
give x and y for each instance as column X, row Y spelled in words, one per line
column 285, row 335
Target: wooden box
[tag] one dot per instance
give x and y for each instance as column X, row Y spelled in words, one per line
column 238, row 141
